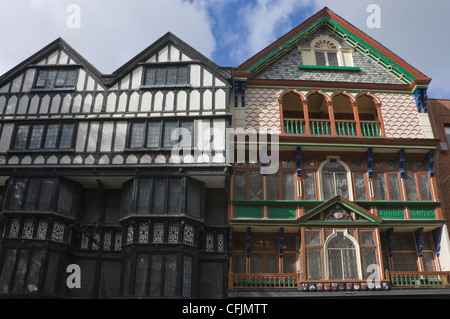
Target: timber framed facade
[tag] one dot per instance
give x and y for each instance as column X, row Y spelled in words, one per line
column 89, row 175
column 127, row 174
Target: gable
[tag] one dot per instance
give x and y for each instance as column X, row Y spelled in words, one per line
column 57, row 55
column 339, row 211
column 297, row 64
column 366, row 47
column 168, row 51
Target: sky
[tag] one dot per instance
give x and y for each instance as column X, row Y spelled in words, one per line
column 108, row 33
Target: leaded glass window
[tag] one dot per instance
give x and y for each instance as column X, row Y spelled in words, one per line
column 334, row 180
column 309, row 180
column 47, row 136
column 360, row 187
column 342, row 258
column 394, row 187
column 411, row 188
column 60, row 78
column 380, row 186
column 425, row 190
column 314, row 264
column 162, row 76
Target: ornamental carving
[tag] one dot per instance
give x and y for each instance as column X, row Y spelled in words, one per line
column 338, row 213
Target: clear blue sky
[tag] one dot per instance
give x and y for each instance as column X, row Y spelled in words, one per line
column 111, row 32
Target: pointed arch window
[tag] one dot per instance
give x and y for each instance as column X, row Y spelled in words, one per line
column 335, row 180
column 342, row 257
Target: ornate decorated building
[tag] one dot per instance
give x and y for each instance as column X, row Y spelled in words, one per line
column 354, row 209
column 95, row 174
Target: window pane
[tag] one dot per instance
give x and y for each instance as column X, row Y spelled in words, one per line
column 274, row 185
column 160, row 76
column 411, row 187
column 320, row 58
column 425, row 190
column 36, row 137
column 159, row 198
column 289, row 264
column 175, row 196
column 32, row 193
column 46, row 194
column 257, row 264
column 194, row 199
column 65, row 198
column 41, row 79
column 144, row 195
column 71, row 77
column 182, row 75
column 289, row 186
column 171, row 76
column 153, row 134
column 240, row 190
column 169, row 127
column 239, row 264
column 360, row 187
column 411, row 262
column 52, row 136
column 342, row 185
column 314, row 264
column 310, row 186
column 394, row 187
column 187, row 276
column 380, row 186
column 7, row 269
column 155, row 276
column 271, row 264
column 427, row 259
column 369, row 257
column 332, row 59
column 110, row 280
column 141, row 275
column 18, row 194
column 170, row 276
column 255, row 186
column 187, row 140
column 61, row 78
column 335, row 264
column 50, row 82
column 137, row 135
column 33, row 272
column 66, row 136
column 21, row 137
column 21, row 268
column 150, row 75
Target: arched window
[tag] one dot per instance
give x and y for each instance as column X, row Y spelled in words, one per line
column 335, row 180
column 326, row 51
column 368, row 116
column 342, row 257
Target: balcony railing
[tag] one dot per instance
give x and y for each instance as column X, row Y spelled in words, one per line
column 324, row 128
column 293, row 281
column 418, row 279
column 264, row 281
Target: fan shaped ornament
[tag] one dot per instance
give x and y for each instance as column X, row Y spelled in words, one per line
column 325, row 44
column 338, row 213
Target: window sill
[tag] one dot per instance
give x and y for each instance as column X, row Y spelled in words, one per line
column 164, row 86
column 53, row 90
column 329, row 68
column 46, row 150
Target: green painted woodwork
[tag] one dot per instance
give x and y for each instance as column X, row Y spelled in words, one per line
column 329, row 68
column 347, row 36
column 371, row 129
column 294, row 127
column 247, row 212
column 391, row 214
column 422, row 214
column 282, row 213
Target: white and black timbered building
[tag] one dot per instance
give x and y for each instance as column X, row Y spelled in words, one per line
column 90, row 175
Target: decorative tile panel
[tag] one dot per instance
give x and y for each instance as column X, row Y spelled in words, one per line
column 14, row 228
column 188, row 238
column 42, row 229
column 28, row 228
column 158, row 233
column 173, row 233
column 58, row 231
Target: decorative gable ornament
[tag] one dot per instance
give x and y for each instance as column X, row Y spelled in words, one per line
column 338, row 213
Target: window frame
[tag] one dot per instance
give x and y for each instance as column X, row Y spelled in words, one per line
column 166, row 66
column 56, row 70
column 43, row 137
column 161, row 137
column 348, row 177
